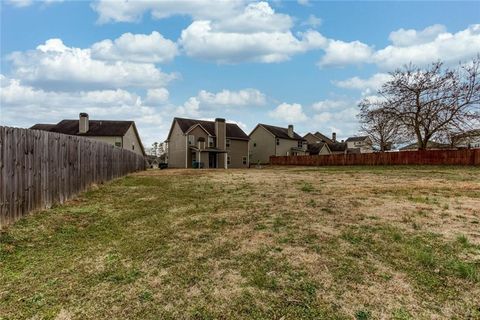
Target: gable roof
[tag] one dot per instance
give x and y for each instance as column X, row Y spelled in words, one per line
column 95, row 127
column 233, row 131
column 359, row 138
column 105, row 128
column 322, row 136
column 280, row 132
column 315, row 148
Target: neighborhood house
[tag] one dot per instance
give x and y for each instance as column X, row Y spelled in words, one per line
column 362, row 144
column 469, row 139
column 206, row 144
column 122, row 134
column 266, row 141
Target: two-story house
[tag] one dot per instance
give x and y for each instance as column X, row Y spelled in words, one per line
column 361, row 144
column 319, row 144
column 267, row 140
column 318, row 137
column 195, row 143
column 122, row 134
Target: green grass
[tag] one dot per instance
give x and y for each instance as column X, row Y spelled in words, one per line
column 291, row 243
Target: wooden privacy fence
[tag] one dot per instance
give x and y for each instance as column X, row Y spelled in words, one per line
column 39, row 168
column 427, row 157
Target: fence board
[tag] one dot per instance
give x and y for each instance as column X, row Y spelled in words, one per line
column 426, row 157
column 39, row 168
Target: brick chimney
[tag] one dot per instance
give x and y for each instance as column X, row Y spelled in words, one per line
column 290, row 130
column 334, row 136
column 83, row 123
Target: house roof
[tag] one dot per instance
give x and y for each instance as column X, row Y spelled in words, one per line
column 280, row 132
column 315, row 148
column 359, row 138
column 322, row 136
column 95, row 127
column 233, row 131
column 430, row 145
column 466, row 134
column 107, row 128
column 337, row 146
column 43, row 126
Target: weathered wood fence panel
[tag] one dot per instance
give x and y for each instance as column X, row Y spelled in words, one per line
column 39, row 168
column 427, row 157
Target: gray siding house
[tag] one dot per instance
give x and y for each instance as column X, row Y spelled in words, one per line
column 206, row 144
column 267, row 140
column 122, row 134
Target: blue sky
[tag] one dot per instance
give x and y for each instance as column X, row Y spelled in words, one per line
column 301, row 62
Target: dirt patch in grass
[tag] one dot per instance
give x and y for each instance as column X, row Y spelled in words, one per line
column 275, row 243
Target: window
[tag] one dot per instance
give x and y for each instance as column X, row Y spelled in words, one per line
column 254, row 144
column 210, row 141
column 227, row 143
column 118, row 144
column 228, row 160
column 300, row 144
column 278, row 142
column 244, row 160
column 133, row 146
column 191, row 139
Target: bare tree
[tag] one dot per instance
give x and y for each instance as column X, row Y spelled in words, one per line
column 433, row 102
column 154, row 149
column 379, row 125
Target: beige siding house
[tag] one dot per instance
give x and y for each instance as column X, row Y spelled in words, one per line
column 319, row 137
column 267, row 140
column 206, row 144
column 122, row 134
column 320, row 144
column 362, row 144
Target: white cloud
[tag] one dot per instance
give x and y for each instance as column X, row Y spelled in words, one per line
column 256, row 17
column 339, row 53
column 373, row 83
column 408, row 46
column 191, row 108
column 223, row 32
column 304, row 2
column 204, row 102
column 202, row 41
column 345, row 119
column 157, row 96
column 245, row 97
column 23, row 106
column 445, row 46
column 330, row 105
column 54, row 65
column 291, row 113
column 312, row 21
column 132, row 11
column 153, row 48
column 336, row 115
column 20, row 3
column 405, row 38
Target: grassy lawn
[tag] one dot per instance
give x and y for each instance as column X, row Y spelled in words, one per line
column 275, row 243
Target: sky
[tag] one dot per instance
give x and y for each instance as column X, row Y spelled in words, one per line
column 306, row 63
